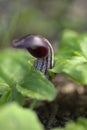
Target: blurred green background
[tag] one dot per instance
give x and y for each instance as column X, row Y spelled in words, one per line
column 45, row 17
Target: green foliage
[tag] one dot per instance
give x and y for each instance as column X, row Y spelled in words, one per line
column 14, row 117
column 71, row 58
column 20, row 79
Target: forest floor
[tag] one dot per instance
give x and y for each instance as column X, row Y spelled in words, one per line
column 70, row 104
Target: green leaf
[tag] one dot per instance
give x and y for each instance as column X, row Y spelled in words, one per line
column 71, row 58
column 4, row 91
column 4, row 98
column 35, row 85
column 13, row 64
column 76, row 68
column 83, row 44
column 69, row 40
column 13, row 117
column 17, row 70
column 3, row 87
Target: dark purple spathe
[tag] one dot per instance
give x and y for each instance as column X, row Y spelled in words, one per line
column 36, row 45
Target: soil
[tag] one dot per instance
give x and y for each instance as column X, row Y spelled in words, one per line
column 69, row 105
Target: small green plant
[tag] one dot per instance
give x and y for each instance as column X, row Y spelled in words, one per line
column 71, row 58
column 20, row 77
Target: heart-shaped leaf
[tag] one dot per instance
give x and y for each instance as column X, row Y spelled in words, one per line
column 35, row 85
